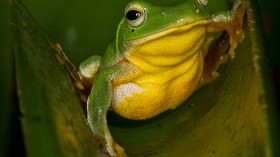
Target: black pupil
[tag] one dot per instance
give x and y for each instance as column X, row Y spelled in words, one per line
column 133, row 15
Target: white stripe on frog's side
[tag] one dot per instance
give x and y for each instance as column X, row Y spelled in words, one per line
column 123, row 91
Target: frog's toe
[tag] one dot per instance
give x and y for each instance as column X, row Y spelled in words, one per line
column 119, row 150
column 111, row 148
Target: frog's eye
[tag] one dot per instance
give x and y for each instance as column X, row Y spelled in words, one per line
column 203, row 2
column 135, row 15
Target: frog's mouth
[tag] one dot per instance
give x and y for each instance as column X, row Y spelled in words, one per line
column 168, row 48
column 176, row 29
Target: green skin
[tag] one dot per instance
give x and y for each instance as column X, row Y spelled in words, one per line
column 102, row 70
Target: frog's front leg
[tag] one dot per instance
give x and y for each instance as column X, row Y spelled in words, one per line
column 88, row 70
column 98, row 104
column 232, row 23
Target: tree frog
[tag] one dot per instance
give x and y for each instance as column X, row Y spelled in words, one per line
column 156, row 61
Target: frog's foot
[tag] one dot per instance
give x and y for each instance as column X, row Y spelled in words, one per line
column 231, row 22
column 63, row 60
column 235, row 27
column 217, row 55
column 119, row 150
column 110, row 147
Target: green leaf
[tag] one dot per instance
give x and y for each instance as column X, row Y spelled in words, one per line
column 233, row 116
column 52, row 117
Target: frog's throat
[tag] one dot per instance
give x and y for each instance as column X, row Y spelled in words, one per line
column 167, row 49
column 180, row 28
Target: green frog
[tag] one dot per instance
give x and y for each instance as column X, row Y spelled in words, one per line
column 156, row 61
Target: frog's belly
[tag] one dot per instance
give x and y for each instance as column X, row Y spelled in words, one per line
column 144, row 101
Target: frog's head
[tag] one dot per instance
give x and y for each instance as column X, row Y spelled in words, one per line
column 145, row 21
